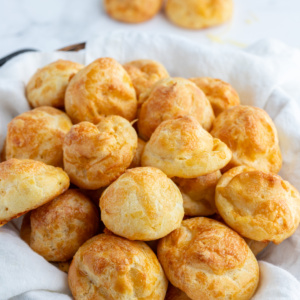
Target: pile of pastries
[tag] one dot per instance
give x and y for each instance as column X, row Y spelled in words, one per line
column 148, row 186
column 191, row 14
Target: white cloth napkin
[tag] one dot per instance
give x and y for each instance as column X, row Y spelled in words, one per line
column 265, row 75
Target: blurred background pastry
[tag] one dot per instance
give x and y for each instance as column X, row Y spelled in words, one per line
column 132, row 11
column 197, row 14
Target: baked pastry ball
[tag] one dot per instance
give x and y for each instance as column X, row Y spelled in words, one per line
column 199, row 194
column 197, row 14
column 220, row 94
column 60, row 227
column 142, row 204
column 207, row 260
column 27, row 184
column 132, row 11
column 174, row 293
column 181, row 147
column 110, row 267
column 96, row 155
column 144, row 73
column 258, row 205
column 38, row 134
column 252, row 137
column 48, row 85
column 170, row 98
column 136, row 162
column 3, row 152
column 101, row 88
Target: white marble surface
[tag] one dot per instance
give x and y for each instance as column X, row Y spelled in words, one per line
column 52, row 24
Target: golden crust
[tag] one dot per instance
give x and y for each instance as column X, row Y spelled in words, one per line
column 136, row 162
column 208, row 260
column 101, row 88
column 220, row 94
column 252, row 137
column 142, row 204
column 48, row 85
column 195, row 14
column 260, row 206
column 58, row 228
column 132, row 11
column 170, row 98
column 114, row 142
column 199, row 194
column 110, row 267
column 27, row 184
column 174, row 293
column 181, row 147
column 3, row 153
column 144, row 73
column 38, row 134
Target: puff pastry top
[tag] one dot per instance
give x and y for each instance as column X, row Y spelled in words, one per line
column 258, row 205
column 170, row 98
column 110, row 267
column 144, row 73
column 220, row 94
column 142, row 204
column 101, row 88
column 252, row 137
column 96, row 155
column 181, row 147
column 48, row 85
column 60, row 227
column 27, row 184
column 208, row 260
column 38, row 134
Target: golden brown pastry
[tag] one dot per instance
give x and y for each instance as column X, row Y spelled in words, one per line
column 258, row 205
column 144, row 73
column 48, row 85
column 255, row 246
column 207, row 260
column 220, row 94
column 136, row 162
column 252, row 137
column 96, row 155
column 132, row 11
column 142, row 204
column 197, row 14
column 101, row 88
column 170, row 98
column 38, row 134
column 199, row 194
column 60, row 227
column 64, row 266
column 174, row 293
column 27, row 184
column 110, row 267
column 181, row 147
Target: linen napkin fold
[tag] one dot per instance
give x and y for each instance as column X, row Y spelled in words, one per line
column 265, row 75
